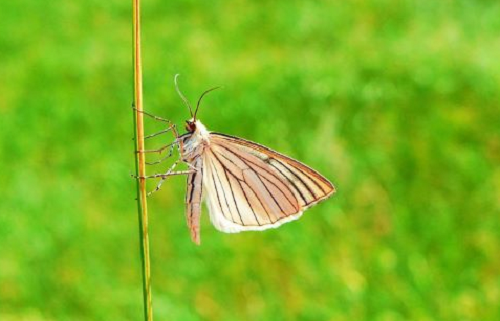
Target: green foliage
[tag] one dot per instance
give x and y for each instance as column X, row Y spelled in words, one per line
column 397, row 102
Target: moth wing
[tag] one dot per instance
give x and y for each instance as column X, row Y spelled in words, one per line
column 251, row 187
column 193, row 199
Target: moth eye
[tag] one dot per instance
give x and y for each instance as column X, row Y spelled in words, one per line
column 190, row 126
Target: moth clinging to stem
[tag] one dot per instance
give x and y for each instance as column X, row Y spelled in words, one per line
column 246, row 186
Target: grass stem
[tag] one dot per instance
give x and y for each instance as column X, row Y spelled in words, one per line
column 140, row 162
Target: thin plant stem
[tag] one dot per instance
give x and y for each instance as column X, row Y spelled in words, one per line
column 140, row 162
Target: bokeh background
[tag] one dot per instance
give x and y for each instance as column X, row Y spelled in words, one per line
column 397, row 102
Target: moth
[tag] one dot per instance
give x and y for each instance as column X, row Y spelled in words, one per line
column 246, row 186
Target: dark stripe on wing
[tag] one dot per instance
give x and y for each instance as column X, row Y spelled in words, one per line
column 225, row 170
column 303, row 173
column 272, row 196
column 296, row 176
column 261, row 181
column 246, row 198
column 217, row 190
column 326, row 186
column 234, row 198
column 293, row 184
column 191, row 186
column 249, row 163
column 264, row 207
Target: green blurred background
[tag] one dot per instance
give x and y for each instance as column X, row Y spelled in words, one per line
column 397, row 102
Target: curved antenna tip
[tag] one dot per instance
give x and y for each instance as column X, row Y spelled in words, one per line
column 184, row 99
column 199, row 100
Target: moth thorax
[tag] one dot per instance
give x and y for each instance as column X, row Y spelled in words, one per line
column 201, row 131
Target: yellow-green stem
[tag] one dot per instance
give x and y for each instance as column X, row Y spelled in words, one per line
column 140, row 162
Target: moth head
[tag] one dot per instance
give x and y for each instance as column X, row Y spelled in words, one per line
column 191, row 125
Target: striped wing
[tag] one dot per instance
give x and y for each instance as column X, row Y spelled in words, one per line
column 250, row 187
column 193, row 199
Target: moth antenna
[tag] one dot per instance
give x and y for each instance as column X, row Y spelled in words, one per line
column 199, row 100
column 184, row 99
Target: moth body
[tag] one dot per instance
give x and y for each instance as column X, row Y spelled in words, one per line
column 193, row 143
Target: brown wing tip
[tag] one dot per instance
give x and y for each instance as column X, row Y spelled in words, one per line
column 331, row 187
column 195, row 237
column 332, row 190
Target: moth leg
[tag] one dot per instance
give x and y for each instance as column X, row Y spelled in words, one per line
column 161, row 132
column 164, row 177
column 170, row 152
column 159, row 150
column 170, row 172
column 174, row 173
column 173, row 128
column 151, row 115
column 194, row 169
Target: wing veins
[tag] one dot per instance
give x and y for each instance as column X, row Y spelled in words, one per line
column 271, row 173
column 264, row 184
column 193, row 176
column 217, row 190
column 291, row 182
column 272, row 196
column 258, row 198
column 297, row 176
column 226, row 170
column 246, row 198
column 287, row 165
column 283, row 160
